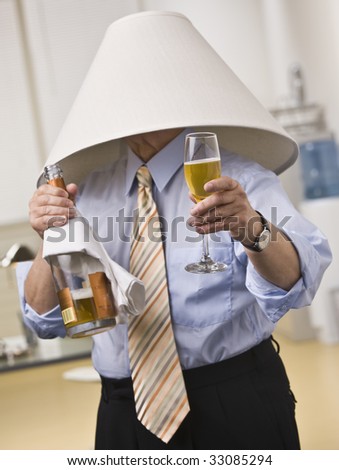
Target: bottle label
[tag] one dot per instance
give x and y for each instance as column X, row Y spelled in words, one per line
column 102, row 294
column 67, row 307
column 68, row 315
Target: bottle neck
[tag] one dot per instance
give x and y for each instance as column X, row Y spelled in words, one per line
column 54, row 176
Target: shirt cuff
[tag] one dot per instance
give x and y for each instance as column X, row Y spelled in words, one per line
column 48, row 325
column 273, row 300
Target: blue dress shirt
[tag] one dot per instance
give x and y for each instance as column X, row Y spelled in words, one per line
column 214, row 316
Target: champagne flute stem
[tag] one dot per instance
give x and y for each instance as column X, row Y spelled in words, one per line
column 205, row 249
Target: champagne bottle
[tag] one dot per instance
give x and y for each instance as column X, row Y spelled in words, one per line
column 83, row 289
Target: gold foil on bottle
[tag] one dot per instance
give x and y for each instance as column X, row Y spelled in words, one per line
column 57, row 182
column 102, row 294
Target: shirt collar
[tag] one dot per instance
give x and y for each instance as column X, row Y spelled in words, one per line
column 162, row 166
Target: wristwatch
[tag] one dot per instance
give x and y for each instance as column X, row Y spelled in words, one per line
column 263, row 239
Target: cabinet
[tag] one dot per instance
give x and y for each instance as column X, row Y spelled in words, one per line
column 324, row 311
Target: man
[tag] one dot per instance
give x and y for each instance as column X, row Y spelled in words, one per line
column 237, row 389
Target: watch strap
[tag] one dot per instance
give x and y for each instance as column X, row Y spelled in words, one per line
column 256, row 244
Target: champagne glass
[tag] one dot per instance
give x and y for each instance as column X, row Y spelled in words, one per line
column 202, row 164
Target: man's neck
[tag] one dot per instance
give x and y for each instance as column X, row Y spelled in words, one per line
column 149, row 144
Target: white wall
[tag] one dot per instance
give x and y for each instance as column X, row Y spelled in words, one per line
column 18, row 143
column 63, row 37
column 235, row 29
column 46, row 48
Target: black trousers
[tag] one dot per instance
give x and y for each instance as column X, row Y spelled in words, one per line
column 241, row 403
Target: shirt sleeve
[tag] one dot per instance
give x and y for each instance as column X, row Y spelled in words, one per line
column 50, row 324
column 266, row 195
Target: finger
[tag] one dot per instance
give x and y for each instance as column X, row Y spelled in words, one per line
column 226, row 223
column 211, row 202
column 41, row 211
column 48, row 189
column 192, row 198
column 211, row 227
column 71, row 190
column 46, row 222
column 196, row 221
column 225, row 183
column 50, row 206
column 231, row 212
column 37, row 211
column 50, row 217
column 50, row 200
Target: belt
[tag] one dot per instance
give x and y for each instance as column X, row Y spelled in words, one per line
column 243, row 363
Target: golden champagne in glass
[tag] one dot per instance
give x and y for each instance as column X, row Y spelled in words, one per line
column 198, row 173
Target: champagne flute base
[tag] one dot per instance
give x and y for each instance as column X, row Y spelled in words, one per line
column 206, row 266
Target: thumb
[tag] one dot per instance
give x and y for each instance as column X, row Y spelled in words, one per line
column 72, row 190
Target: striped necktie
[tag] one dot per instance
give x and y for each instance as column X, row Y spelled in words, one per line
column 159, row 389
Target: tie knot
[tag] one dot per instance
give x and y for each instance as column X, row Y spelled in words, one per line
column 144, row 177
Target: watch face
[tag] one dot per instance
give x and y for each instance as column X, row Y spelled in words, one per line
column 264, row 239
